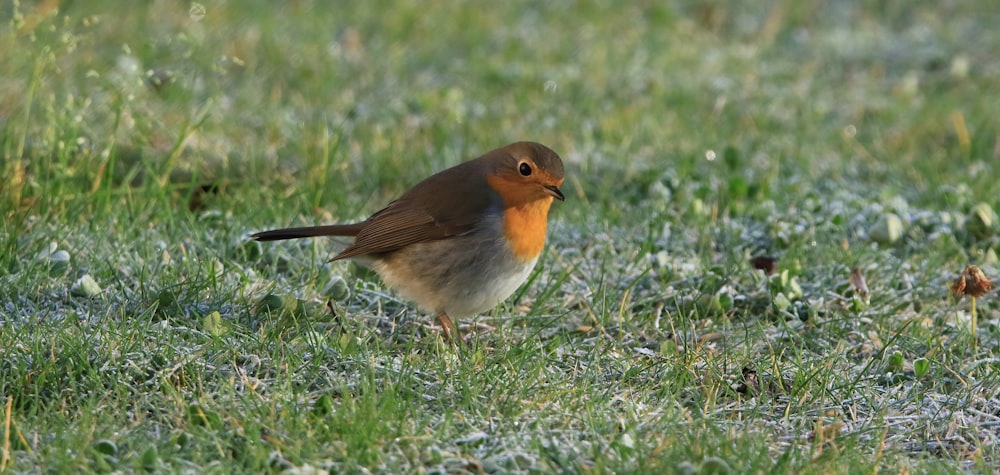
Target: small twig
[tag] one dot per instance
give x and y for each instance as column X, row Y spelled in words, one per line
column 6, row 434
column 974, row 323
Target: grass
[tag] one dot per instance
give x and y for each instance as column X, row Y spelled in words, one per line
column 141, row 145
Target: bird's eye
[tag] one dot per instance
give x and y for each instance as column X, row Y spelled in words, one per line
column 525, row 169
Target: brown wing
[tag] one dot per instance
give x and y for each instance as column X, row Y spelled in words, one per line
column 446, row 204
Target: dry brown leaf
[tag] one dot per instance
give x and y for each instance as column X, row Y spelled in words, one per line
column 767, row 264
column 858, row 282
column 971, row 282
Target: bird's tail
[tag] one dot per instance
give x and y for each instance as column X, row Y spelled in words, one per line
column 308, row 231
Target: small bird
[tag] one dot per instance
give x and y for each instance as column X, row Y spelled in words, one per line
column 462, row 240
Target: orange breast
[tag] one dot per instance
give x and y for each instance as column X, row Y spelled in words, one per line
column 525, row 217
column 524, row 226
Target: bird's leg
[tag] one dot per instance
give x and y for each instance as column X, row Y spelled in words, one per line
column 450, row 330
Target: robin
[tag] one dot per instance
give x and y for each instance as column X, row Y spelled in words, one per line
column 462, row 240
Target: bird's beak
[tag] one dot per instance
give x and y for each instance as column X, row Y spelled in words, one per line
column 555, row 192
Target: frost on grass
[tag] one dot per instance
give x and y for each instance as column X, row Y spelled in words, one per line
column 814, row 338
